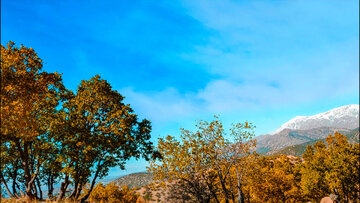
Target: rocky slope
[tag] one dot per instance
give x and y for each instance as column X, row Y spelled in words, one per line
column 135, row 180
column 289, row 137
column 298, row 150
column 302, row 129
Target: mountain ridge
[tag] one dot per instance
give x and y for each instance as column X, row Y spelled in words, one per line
column 289, row 137
column 341, row 117
column 302, row 129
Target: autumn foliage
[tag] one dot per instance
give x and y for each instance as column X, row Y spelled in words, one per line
column 204, row 165
column 52, row 135
column 210, row 166
column 331, row 168
column 112, row 193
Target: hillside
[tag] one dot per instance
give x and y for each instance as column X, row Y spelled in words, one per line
column 287, row 138
column 298, row 150
column 135, row 179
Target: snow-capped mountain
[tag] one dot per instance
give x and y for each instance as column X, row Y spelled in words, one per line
column 343, row 117
column 302, row 129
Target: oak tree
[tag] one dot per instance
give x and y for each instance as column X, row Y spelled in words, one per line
column 99, row 131
column 49, row 133
column 29, row 98
column 205, row 164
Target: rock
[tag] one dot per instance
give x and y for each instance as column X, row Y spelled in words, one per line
column 326, row 200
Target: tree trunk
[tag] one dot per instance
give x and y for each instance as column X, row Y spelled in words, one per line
column 231, row 190
column 223, row 186
column 212, row 192
column 198, row 194
column 31, row 185
column 35, row 190
column 92, row 185
column 73, row 194
column 14, row 187
column 50, row 184
column 24, row 156
column 78, row 192
column 63, row 188
column 6, row 186
column 21, row 192
column 240, row 193
column 40, row 191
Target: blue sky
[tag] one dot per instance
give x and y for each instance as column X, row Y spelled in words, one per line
column 178, row 61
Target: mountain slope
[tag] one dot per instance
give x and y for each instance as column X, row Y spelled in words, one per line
column 289, row 137
column 135, row 180
column 302, row 129
column 298, row 150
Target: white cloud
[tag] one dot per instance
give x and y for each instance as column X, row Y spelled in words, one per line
column 219, row 96
column 164, row 105
column 263, row 55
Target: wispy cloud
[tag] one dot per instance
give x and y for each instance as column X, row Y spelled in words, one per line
column 236, row 53
column 162, row 106
column 264, row 54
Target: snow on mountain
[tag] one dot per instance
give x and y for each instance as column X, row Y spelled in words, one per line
column 342, row 117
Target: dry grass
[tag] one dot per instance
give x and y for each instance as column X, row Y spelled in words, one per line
column 25, row 200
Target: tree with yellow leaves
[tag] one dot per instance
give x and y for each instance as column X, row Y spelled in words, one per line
column 112, row 193
column 99, row 131
column 274, row 179
column 331, row 168
column 49, row 133
column 204, row 164
column 29, row 98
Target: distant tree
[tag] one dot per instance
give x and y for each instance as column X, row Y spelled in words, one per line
column 112, row 193
column 204, row 164
column 147, row 195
